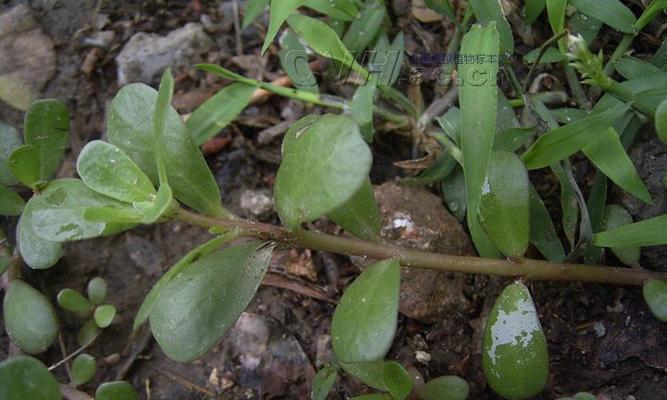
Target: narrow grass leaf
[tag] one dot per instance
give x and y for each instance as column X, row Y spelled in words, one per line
column 610, row 12
column 443, row 7
column 543, row 234
column 386, row 59
column 607, row 153
column 551, row 55
column 532, row 10
column 279, row 12
column 323, row 383
column 361, row 110
column 253, row 10
column 634, row 68
column 650, row 12
column 649, row 232
column 364, row 323
column 556, row 13
column 294, row 61
column 564, row 141
column 492, row 10
column 364, row 30
column 214, row 114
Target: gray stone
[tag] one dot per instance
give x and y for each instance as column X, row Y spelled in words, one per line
column 28, row 58
column 256, row 202
column 414, row 217
column 146, row 55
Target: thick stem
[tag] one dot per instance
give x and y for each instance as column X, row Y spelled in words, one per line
column 525, row 268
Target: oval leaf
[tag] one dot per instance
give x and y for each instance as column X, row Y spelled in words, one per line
column 10, row 202
column 326, row 153
column 9, row 141
column 38, row 253
column 130, row 127
column 73, row 301
column 24, row 377
column 83, row 369
column 515, row 357
column 364, row 322
column 97, row 290
column 104, row 168
column 445, row 388
column 104, row 315
column 29, row 318
column 87, row 333
column 655, row 295
column 46, row 128
column 322, row 383
column 397, row 380
column 504, row 211
column 616, row 216
column 24, row 164
column 360, row 215
column 118, row 390
column 202, row 302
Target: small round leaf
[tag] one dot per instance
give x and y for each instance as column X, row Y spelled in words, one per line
column 73, row 301
column 364, row 322
column 655, row 295
column 83, row 369
column 97, row 290
column 29, row 318
column 515, row 356
column 397, row 380
column 445, row 388
column 87, row 332
column 616, row 216
column 24, row 377
column 118, row 390
column 104, row 315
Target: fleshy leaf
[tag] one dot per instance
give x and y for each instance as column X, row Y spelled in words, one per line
column 24, row 164
column 650, row 232
column 104, row 315
column 24, row 377
column 73, row 301
column 364, row 322
column 46, row 128
column 10, row 202
column 445, row 387
column 202, row 302
column 359, row 215
column 118, row 390
column 323, row 383
column 83, row 369
column 611, row 12
column 655, row 295
column 29, row 318
column 615, row 217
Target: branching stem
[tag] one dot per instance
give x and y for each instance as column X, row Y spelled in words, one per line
column 525, row 268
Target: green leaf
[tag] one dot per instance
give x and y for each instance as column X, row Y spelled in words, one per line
column 515, row 356
column 397, row 380
column 655, row 295
column 659, row 58
column 359, row 215
column 46, row 128
column 29, row 318
column 118, row 390
column 97, row 290
column 650, row 232
column 370, row 373
column 130, row 127
column 445, row 387
column 504, row 210
column 253, row 10
column 128, row 215
column 279, row 12
column 364, row 322
column 609, row 156
column 506, row 117
column 551, row 55
column 650, row 13
column 454, row 193
column 83, row 369
column 595, row 203
column 566, row 115
column 154, row 294
column 217, row 112
column 294, row 61
column 587, row 27
column 373, row 396
column 162, row 204
column 324, row 152
column 107, row 170
column 364, row 30
column 323, row 383
column 87, row 332
column 512, row 139
column 386, row 60
column 60, row 213
column 73, row 301
column 104, row 315
column 492, row 10
column 187, row 319
column 24, row 377
column 556, row 13
column 361, row 110
column 532, row 10
column 634, row 68
column 478, row 91
column 24, row 164
column 38, row 253
column 442, row 167
column 542, row 231
column 9, row 141
column 661, row 121
column 615, row 217
column 322, row 39
column 564, row 141
column 450, row 122
column 343, row 10
column 10, row 202
column 610, row 12
column 442, row 7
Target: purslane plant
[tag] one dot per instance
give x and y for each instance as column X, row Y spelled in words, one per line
column 152, row 171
